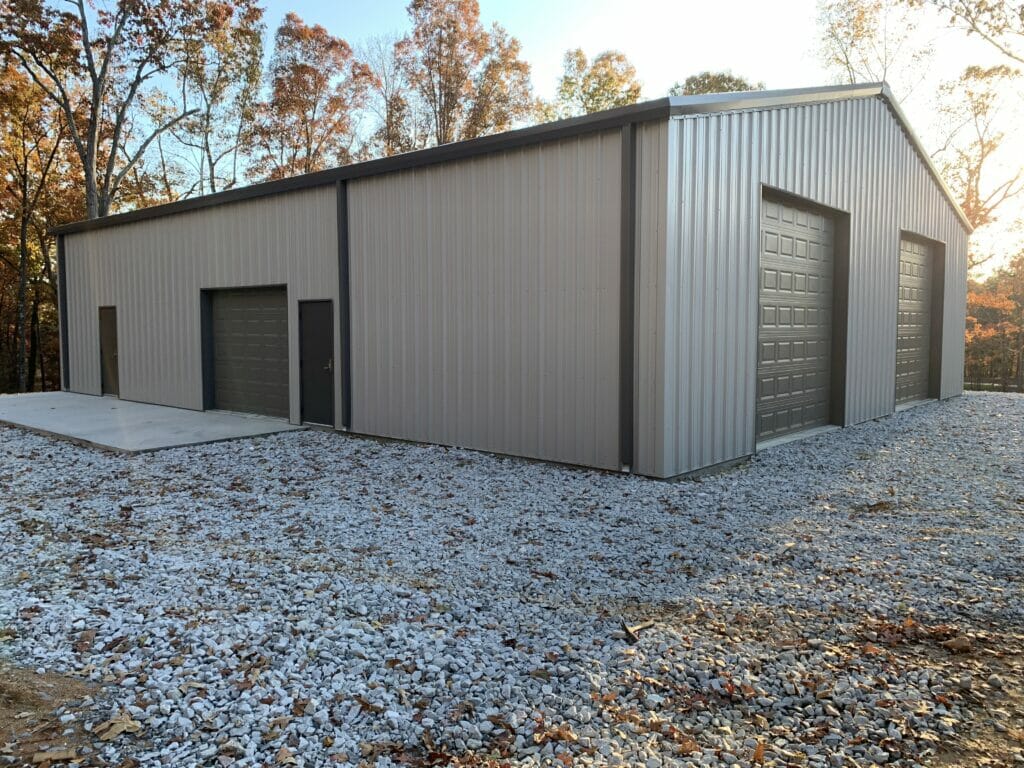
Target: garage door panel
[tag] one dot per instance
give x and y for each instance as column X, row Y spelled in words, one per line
column 795, row 333
column 914, row 320
column 249, row 335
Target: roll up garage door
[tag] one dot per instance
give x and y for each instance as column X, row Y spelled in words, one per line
column 914, row 323
column 795, row 326
column 249, row 338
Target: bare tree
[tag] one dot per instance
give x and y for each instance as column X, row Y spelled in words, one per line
column 872, row 41
column 998, row 22
column 973, row 108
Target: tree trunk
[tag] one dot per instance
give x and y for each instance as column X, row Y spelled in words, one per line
column 33, row 340
column 22, row 300
column 92, row 202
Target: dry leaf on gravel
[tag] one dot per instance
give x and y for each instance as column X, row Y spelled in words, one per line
column 114, row 727
column 85, row 640
column 959, row 644
column 284, row 756
column 758, row 757
column 562, row 732
column 54, row 756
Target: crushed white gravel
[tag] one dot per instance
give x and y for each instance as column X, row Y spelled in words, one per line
column 311, row 597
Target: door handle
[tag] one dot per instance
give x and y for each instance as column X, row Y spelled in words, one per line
column 330, row 365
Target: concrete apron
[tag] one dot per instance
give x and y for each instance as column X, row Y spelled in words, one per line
column 121, row 425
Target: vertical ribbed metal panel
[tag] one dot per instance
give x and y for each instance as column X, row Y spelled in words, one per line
column 153, row 272
column 485, row 302
column 848, row 155
column 652, row 352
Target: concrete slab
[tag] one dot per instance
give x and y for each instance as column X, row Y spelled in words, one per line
column 121, row 425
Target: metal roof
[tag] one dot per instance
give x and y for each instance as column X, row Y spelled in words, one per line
column 656, row 109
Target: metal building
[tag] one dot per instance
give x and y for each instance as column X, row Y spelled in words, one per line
column 662, row 287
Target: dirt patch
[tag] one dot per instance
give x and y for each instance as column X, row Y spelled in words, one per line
column 30, row 731
column 987, row 672
column 996, row 738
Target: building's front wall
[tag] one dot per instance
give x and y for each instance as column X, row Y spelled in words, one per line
column 485, row 301
column 484, row 294
column 851, row 156
column 154, row 271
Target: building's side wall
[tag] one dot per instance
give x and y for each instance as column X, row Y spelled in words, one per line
column 153, row 272
column 848, row 155
column 485, row 302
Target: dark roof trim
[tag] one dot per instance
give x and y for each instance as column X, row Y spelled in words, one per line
column 657, row 109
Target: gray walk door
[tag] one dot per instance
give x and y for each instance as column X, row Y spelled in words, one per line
column 795, row 325
column 316, row 361
column 109, row 379
column 913, row 332
column 249, row 337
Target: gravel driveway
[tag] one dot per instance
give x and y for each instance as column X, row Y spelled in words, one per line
column 310, row 598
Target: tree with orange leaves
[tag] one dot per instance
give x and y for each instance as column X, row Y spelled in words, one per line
column 995, row 326
column 472, row 81
column 316, row 85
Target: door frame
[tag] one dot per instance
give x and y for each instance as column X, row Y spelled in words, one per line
column 302, row 405
column 117, row 343
column 937, row 249
column 840, row 299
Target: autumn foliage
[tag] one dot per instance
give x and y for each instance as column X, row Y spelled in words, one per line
column 110, row 106
column 994, row 337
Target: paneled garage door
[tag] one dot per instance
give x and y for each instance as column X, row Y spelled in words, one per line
column 795, row 334
column 913, row 332
column 249, row 337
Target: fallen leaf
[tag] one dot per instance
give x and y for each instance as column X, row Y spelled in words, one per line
column 114, row 727
column 368, row 706
column 54, row 756
column 113, row 644
column 959, row 644
column 284, row 756
column 562, row 732
column 879, row 506
column 759, row 753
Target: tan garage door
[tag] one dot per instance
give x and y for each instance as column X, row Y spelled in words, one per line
column 795, row 332
column 913, row 332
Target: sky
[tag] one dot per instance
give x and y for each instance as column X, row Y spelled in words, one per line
column 667, row 40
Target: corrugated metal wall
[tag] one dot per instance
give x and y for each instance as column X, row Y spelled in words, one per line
column 848, row 155
column 654, row 273
column 153, row 272
column 485, row 292
column 485, row 298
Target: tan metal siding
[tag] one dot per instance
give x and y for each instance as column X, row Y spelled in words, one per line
column 485, row 298
column 153, row 272
column 848, row 155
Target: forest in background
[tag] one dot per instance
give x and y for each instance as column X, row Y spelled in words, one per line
column 127, row 104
